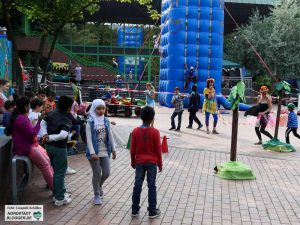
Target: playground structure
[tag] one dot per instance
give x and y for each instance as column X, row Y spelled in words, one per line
column 191, row 37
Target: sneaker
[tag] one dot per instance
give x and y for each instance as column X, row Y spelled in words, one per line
column 215, row 132
column 258, row 143
column 178, row 129
column 154, row 213
column 200, row 126
column 207, row 132
column 135, row 213
column 172, row 128
column 97, row 200
column 189, row 127
column 67, row 195
column 65, row 201
column 70, row 171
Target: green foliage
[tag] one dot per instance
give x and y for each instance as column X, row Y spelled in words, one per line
column 275, row 38
column 261, row 80
column 282, row 87
column 237, row 95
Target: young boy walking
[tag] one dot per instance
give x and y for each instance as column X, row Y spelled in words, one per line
column 145, row 158
column 292, row 124
column 177, row 100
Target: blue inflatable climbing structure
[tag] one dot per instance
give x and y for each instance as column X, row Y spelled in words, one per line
column 192, row 36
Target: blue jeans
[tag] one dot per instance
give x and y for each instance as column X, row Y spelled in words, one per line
column 140, row 172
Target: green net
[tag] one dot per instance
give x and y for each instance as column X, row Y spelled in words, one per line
column 278, row 146
column 233, row 170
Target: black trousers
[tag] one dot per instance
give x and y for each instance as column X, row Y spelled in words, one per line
column 287, row 134
column 193, row 117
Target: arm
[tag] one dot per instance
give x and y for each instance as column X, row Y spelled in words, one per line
column 258, row 99
column 57, row 137
column 26, row 128
column 111, row 138
column 133, row 149
column 89, row 139
column 152, row 94
column 44, row 128
column 158, row 151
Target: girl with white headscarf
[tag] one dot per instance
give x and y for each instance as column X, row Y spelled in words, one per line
column 100, row 146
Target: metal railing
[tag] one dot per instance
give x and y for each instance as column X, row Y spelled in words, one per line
column 79, row 59
column 230, row 82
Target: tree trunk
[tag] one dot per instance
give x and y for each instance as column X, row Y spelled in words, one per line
column 16, row 63
column 39, row 54
column 278, row 115
column 234, row 134
column 51, row 50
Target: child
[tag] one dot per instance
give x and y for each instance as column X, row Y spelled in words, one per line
column 145, row 158
column 210, row 105
column 49, row 104
column 177, row 100
column 9, row 108
column 36, row 107
column 292, row 124
column 100, row 146
column 42, row 95
column 55, row 130
column 150, row 95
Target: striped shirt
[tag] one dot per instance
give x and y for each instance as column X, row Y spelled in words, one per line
column 292, row 120
column 178, row 103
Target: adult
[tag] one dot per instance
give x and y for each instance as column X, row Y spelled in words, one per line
column 78, row 71
column 119, row 81
column 265, row 102
column 4, row 87
column 24, row 137
column 194, row 105
column 115, row 64
column 210, row 105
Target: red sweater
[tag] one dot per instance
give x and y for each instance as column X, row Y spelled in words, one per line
column 145, row 147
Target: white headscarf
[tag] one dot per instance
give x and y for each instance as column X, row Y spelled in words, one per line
column 98, row 120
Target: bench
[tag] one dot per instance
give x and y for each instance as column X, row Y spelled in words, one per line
column 26, row 177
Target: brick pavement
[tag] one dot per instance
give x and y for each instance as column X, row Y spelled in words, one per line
column 188, row 190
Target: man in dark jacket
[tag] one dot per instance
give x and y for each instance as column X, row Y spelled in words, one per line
column 194, row 105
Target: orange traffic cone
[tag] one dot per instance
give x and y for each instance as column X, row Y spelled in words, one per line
column 164, row 145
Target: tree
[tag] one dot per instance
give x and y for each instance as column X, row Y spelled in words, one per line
column 276, row 39
column 234, row 170
column 275, row 144
column 6, row 7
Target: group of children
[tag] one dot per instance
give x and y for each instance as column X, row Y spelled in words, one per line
column 209, row 107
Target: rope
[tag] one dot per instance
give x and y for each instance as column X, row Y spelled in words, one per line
column 210, row 38
column 185, row 38
column 198, row 41
column 253, row 48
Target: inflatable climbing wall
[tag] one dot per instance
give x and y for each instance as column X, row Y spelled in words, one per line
column 192, row 35
column 130, row 37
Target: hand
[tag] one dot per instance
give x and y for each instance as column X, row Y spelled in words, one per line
column 45, row 139
column 41, row 117
column 261, row 113
column 73, row 132
column 114, row 155
column 159, row 170
column 94, row 157
column 133, row 166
